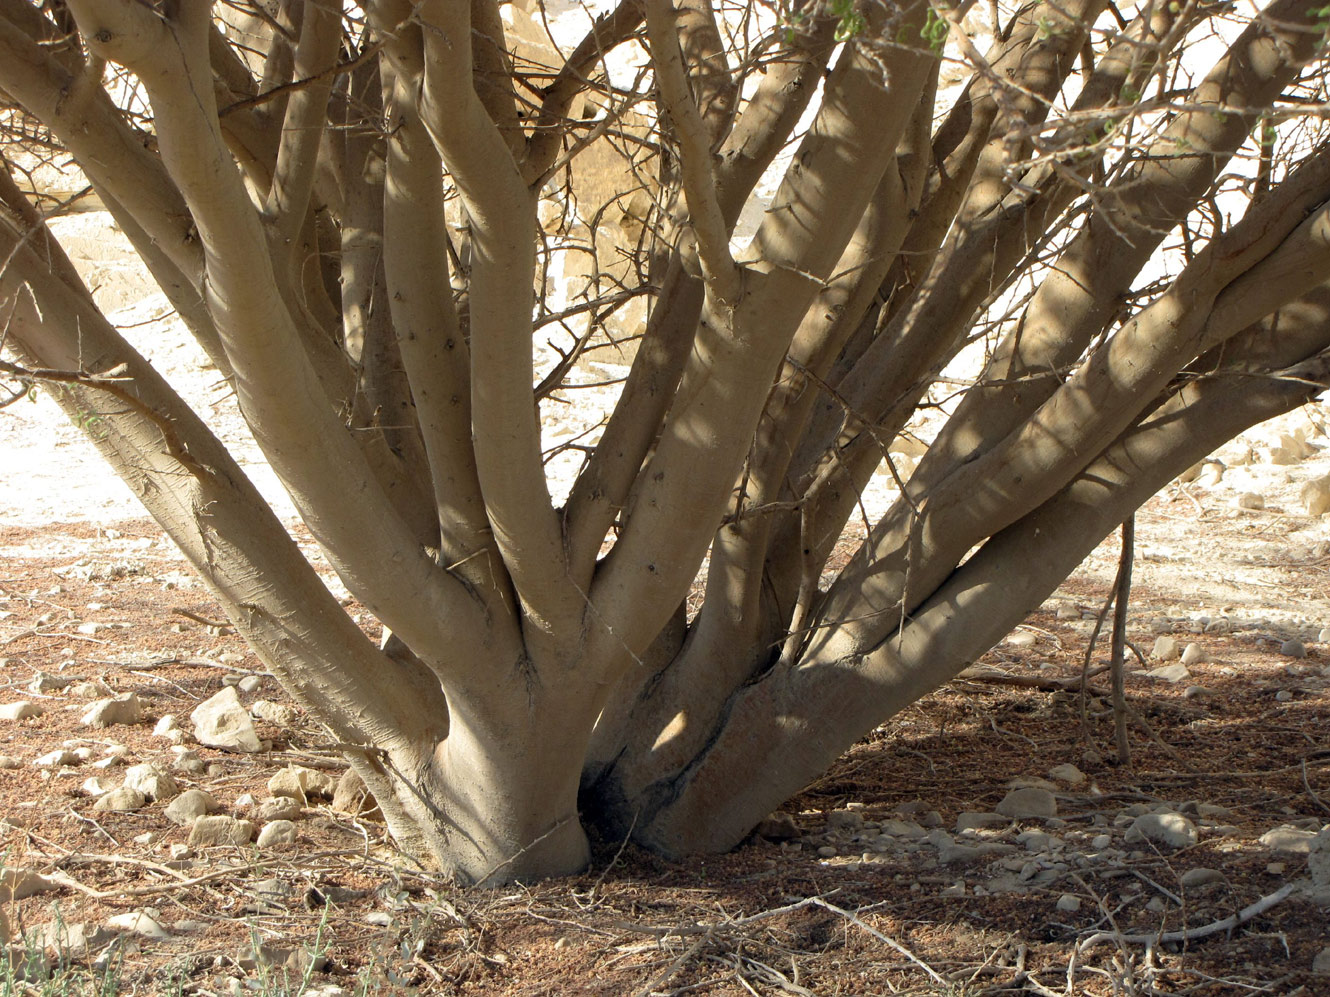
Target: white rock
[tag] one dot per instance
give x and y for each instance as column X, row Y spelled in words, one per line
column 165, row 724
column 1021, row 638
column 151, row 781
column 1170, row 829
column 1195, row 878
column 278, row 808
column 91, row 690
column 1290, row 450
column 1194, row 654
column 1069, row 903
column 207, row 831
column 56, row 758
column 122, row 800
column 1250, row 500
column 93, row 786
column 301, row 782
column 68, row 941
column 1292, row 840
column 1175, row 672
column 285, row 782
column 250, row 683
column 275, row 713
column 1316, row 496
column 122, row 709
column 22, row 710
column 137, row 923
column 1029, row 802
column 1165, row 649
column 278, row 832
column 17, row 883
column 221, row 722
column 189, row 806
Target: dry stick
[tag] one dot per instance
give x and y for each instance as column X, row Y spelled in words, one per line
column 857, row 922
column 1193, row 934
column 1121, row 593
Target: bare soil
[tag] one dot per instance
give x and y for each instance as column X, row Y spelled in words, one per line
column 824, row 913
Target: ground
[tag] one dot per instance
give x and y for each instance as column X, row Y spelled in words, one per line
column 891, row 874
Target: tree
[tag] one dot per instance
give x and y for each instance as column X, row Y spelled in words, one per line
column 353, row 210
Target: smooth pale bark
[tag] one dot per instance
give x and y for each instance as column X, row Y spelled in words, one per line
column 542, row 670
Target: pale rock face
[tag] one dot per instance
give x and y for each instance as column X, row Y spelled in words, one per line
column 151, row 781
column 279, row 832
column 123, row 800
column 124, row 709
column 208, row 831
column 1029, row 802
column 221, row 722
column 1169, row 829
column 189, row 806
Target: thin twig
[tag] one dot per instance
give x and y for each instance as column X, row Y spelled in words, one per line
column 1193, row 934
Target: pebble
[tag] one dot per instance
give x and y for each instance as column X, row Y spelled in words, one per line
column 1283, row 696
column 250, row 683
column 1021, row 638
column 165, row 724
column 22, row 710
column 10, row 762
column 1324, row 635
column 1292, row 840
column 123, row 709
column 56, row 758
column 845, row 821
column 1250, row 500
column 972, row 821
column 220, row 831
column 1194, row 654
column 1068, row 773
column 137, row 923
column 1170, row 829
column 283, row 808
column 1165, row 649
column 90, row 690
column 827, row 851
column 1069, row 903
column 1101, row 841
column 1197, row 692
column 1293, row 648
column 126, row 799
column 189, row 806
column 283, row 832
column 1170, row 673
column 221, row 722
column 1029, row 802
column 275, row 713
column 1195, row 878
column 151, row 781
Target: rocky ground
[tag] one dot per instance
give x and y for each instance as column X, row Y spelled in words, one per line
column 173, row 824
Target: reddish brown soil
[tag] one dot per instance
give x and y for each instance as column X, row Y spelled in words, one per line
column 769, row 918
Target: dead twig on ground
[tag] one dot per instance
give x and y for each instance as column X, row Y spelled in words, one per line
column 1192, row 934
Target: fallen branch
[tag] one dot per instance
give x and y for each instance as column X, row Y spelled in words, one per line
column 1192, row 934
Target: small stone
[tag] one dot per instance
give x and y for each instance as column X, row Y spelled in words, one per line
column 151, row 781
column 1194, row 654
column 1196, row 692
column 126, row 799
column 1324, row 635
column 221, row 830
column 93, row 786
column 1101, row 841
column 1170, row 829
column 278, row 808
column 300, row 782
column 1318, row 859
column 67, row 941
column 90, row 690
column 22, row 710
column 221, row 722
column 1316, row 496
column 275, row 713
column 56, row 758
column 956, row 889
column 1293, row 648
column 1068, row 773
column 43, row 683
column 1166, row 648
column 1250, row 500
column 845, row 821
column 123, row 709
column 1021, row 638
column 379, row 918
column 1175, row 672
column 779, row 826
column 352, row 797
column 1291, row 840
column 1321, row 964
column 249, row 684
column 1196, row 878
column 165, row 725
column 1029, row 802
column 137, row 923
column 283, row 832
column 189, row 806
column 285, row 782
column 972, row 821
column 187, row 761
column 1283, row 696
column 17, row 883
column 1069, row 903
column 827, row 851
column 10, row 762
column 1276, row 868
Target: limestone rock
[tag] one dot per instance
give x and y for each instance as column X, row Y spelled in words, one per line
column 122, row 709
column 1175, row 672
column 1316, row 496
column 1250, row 500
column 300, row 782
column 1029, row 802
column 1292, row 840
column 56, row 758
column 1166, row 648
column 17, row 883
column 1318, row 859
column 22, row 710
column 137, row 923
column 1069, row 903
column 221, row 722
column 189, row 806
column 68, row 942
column 278, row 808
column 278, row 832
column 1194, row 654
column 352, row 797
column 151, row 781
column 1170, row 829
column 208, row 831
column 1067, row 773
column 275, row 713
column 123, row 800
